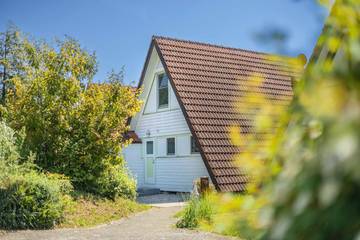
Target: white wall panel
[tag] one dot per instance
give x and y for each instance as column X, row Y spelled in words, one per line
column 183, row 145
column 161, row 146
column 135, row 162
column 162, row 123
column 179, row 173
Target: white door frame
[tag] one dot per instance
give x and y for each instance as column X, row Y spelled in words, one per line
column 149, row 159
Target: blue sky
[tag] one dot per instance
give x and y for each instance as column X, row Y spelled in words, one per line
column 120, row 31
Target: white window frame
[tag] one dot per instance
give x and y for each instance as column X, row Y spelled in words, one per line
column 167, row 153
column 191, row 152
column 159, row 109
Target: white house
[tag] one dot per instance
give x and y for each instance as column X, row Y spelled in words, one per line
column 189, row 90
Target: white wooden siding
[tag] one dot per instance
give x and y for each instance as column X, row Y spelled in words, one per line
column 174, row 104
column 161, row 147
column 183, row 145
column 179, row 173
column 135, row 162
column 162, row 123
column 150, row 106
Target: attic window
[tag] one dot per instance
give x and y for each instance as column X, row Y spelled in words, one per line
column 163, row 91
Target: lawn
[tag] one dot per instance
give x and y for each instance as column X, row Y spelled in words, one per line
column 88, row 210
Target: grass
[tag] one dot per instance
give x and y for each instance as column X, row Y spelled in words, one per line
column 207, row 213
column 198, row 210
column 87, row 210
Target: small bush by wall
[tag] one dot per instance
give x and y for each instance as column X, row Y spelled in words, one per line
column 31, row 200
column 115, row 182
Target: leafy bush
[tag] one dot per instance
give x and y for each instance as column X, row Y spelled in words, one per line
column 198, row 210
column 62, row 181
column 9, row 149
column 30, row 200
column 12, row 155
column 115, row 182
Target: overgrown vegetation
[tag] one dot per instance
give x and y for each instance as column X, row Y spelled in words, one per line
column 28, row 198
column 75, row 127
column 58, row 130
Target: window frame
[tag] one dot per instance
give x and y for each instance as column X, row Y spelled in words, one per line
column 152, row 147
column 167, row 146
column 163, row 106
column 193, row 143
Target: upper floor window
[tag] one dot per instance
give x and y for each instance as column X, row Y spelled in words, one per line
column 194, row 147
column 163, row 91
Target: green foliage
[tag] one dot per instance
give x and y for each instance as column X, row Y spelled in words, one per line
column 74, row 127
column 30, row 200
column 9, row 150
column 115, row 182
column 62, row 181
column 13, row 158
column 11, row 61
column 199, row 210
column 317, row 194
column 305, row 180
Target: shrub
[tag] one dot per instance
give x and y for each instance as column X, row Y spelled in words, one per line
column 198, row 210
column 9, row 153
column 12, row 157
column 115, row 182
column 63, row 182
column 30, row 200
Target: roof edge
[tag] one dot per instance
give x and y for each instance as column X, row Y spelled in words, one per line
column 155, row 37
column 148, row 55
column 143, row 71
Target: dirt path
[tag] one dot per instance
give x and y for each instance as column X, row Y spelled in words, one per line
column 155, row 224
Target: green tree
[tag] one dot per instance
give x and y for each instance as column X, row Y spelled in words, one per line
column 11, row 60
column 74, row 126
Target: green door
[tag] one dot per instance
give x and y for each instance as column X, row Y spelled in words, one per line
column 149, row 162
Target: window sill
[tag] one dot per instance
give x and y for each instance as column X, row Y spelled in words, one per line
column 161, row 109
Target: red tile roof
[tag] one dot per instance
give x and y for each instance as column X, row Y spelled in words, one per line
column 208, row 80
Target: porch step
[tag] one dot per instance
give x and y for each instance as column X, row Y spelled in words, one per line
column 148, row 191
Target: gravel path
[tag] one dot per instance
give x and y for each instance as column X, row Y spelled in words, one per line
column 154, row 224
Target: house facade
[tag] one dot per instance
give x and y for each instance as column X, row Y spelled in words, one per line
column 166, row 157
column 189, row 91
